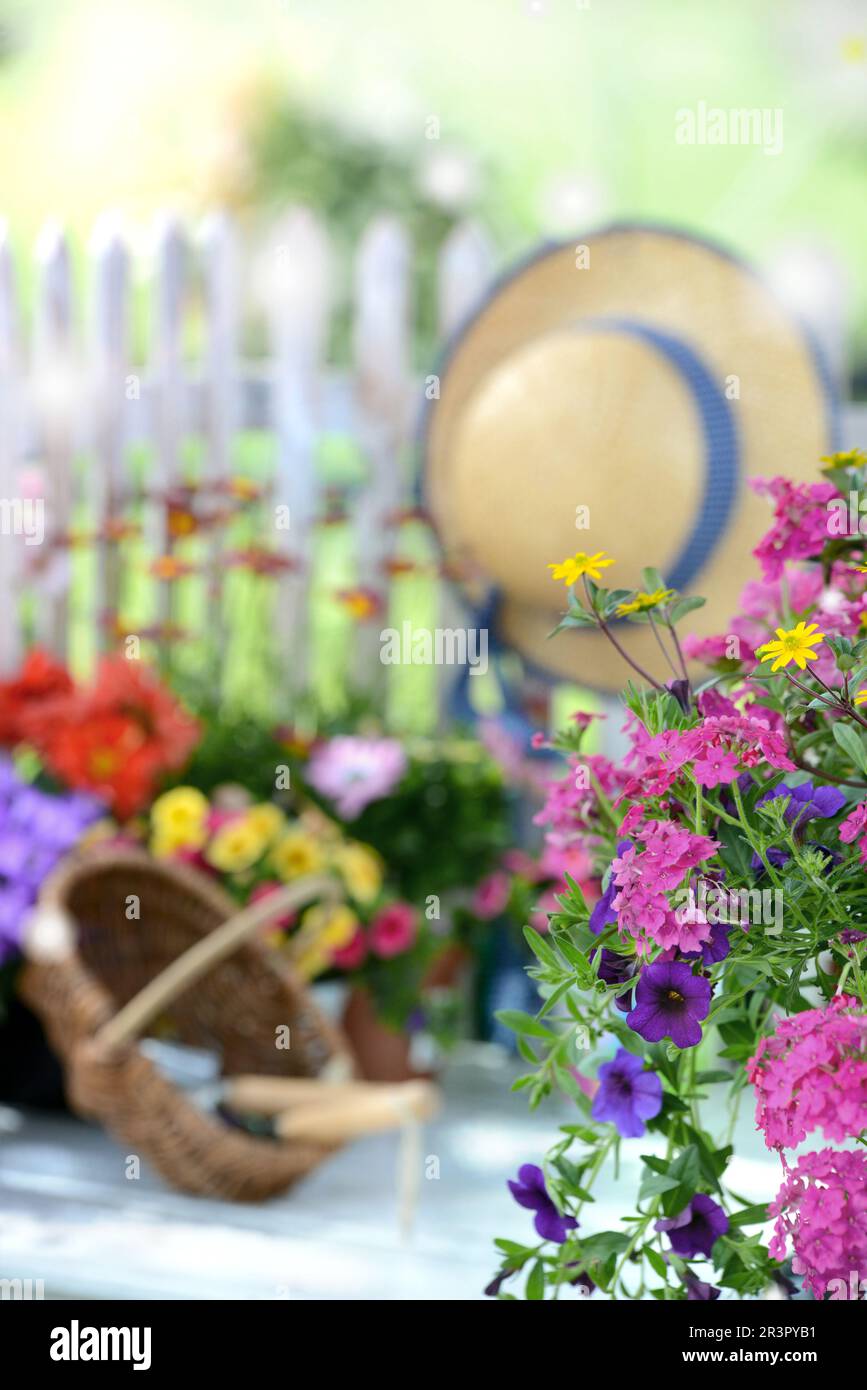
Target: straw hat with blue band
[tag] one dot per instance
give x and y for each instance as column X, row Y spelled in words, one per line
column 644, row 381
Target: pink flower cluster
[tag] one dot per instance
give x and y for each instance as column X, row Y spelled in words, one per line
column 719, row 749
column 854, row 827
column 800, row 528
column 571, row 803
column 644, row 879
column 822, row 1208
column 812, row 1074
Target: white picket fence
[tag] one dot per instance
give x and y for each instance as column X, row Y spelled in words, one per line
column 74, row 404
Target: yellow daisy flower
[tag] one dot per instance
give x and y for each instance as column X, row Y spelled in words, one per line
column 323, row 931
column 642, row 602
column 361, row 869
column 178, row 818
column 861, row 697
column 793, row 645
column 236, row 846
column 572, row 568
column 268, row 819
column 296, row 854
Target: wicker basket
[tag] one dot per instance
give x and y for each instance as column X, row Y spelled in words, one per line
column 98, row 975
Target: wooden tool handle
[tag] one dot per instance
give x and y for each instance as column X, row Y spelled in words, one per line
column 271, row 1095
column 370, row 1111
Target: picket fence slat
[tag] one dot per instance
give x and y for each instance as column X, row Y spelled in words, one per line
column 10, row 458
column 57, row 392
column 382, row 362
column 106, row 481
column 297, row 267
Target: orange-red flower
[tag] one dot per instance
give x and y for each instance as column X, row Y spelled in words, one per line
column 362, row 603
column 116, row 738
column 41, row 678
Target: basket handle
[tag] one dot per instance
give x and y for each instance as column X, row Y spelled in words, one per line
column 135, row 1016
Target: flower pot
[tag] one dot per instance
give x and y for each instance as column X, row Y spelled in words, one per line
column 380, row 1053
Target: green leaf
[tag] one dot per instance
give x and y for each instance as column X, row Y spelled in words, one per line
column 851, row 743
column 656, row 1262
column 750, row 1216
column 681, row 606
column 536, row 1282
column 524, row 1024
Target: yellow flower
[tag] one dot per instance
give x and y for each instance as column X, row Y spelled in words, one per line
column 268, row 819
column 861, row 697
column 360, row 867
column 297, row 853
column 179, row 818
column 236, row 846
column 324, row 930
column 572, row 568
column 642, row 602
column 846, row 458
column 794, row 645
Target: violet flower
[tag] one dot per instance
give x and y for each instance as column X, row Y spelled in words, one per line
column 670, row 1002
column 806, row 802
column 603, row 914
column 530, row 1191
column 695, row 1230
column 628, row 1095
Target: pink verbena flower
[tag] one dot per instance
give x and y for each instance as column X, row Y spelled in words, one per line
column 643, row 881
column 719, row 748
column 812, row 1074
column 822, row 1208
column 800, row 528
column 855, row 826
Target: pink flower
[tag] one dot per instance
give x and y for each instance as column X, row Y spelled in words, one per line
column 491, row 895
column 352, row 772
column 708, row 650
column 353, row 954
column 392, row 930
column 264, row 890
column 800, row 528
column 853, row 826
column 643, row 881
column 812, row 1074
column 822, row 1208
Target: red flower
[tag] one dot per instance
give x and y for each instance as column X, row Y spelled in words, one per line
column 40, row 678
column 117, row 738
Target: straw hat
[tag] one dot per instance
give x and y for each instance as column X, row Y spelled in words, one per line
column 642, row 375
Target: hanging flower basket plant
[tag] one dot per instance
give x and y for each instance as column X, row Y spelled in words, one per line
column 721, row 962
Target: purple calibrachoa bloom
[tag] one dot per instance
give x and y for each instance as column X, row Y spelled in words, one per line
column 603, row 914
column 806, row 802
column 670, row 1002
column 695, row 1229
column 530, row 1191
column 628, row 1095
column 699, row 1292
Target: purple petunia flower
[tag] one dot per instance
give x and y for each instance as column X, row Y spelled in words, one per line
column 699, row 1292
column 530, row 1191
column 714, row 950
column 806, row 802
column 670, row 1002
column 615, row 969
column 628, row 1095
column 695, row 1229
column 603, row 914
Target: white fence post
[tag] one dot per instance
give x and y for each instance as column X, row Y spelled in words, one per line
column 10, row 446
column 107, row 433
column 56, row 393
column 297, row 265
column 169, row 393
column 382, row 355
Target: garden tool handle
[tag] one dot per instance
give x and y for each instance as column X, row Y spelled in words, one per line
column 272, row 1095
column 135, row 1016
column 370, row 1111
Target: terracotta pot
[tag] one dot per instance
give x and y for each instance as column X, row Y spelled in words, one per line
column 381, row 1053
